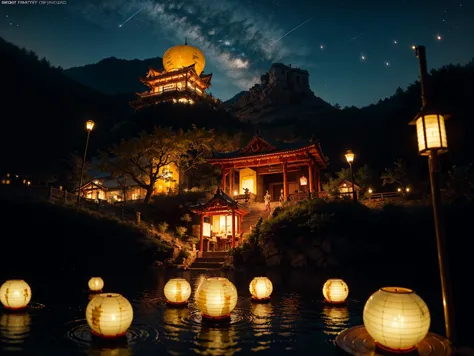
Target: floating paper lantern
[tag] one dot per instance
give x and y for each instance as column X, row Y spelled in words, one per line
column 96, row 284
column 216, row 297
column 15, row 294
column 335, row 291
column 177, row 291
column 261, row 288
column 109, row 315
column 396, row 318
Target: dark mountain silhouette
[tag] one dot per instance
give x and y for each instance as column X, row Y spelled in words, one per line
column 45, row 113
column 113, row 75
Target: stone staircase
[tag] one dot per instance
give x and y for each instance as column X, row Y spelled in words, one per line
column 209, row 260
column 257, row 211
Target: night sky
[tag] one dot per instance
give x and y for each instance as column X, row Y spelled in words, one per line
column 356, row 51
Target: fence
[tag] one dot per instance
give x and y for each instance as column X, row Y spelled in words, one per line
column 387, row 195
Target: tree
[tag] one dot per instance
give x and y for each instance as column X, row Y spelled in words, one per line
column 362, row 178
column 144, row 158
column 73, row 171
column 460, row 181
column 396, row 175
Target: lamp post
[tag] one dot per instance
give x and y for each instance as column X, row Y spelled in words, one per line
column 89, row 127
column 350, row 158
column 432, row 142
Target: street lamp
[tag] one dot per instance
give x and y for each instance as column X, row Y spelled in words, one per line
column 89, row 127
column 350, row 158
column 432, row 141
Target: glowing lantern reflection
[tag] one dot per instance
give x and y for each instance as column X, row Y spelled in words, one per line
column 177, row 291
column 15, row 328
column 216, row 297
column 261, row 288
column 396, row 318
column 335, row 291
column 109, row 315
column 15, row 294
column 96, row 284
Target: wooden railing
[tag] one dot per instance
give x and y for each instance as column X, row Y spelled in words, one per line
column 61, row 195
column 387, row 195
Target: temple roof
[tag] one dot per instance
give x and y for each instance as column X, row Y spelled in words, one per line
column 154, row 74
column 220, row 200
column 263, row 146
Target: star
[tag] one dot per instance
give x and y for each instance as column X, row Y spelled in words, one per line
column 395, row 42
column 362, row 57
column 321, row 46
column 387, row 63
column 439, row 38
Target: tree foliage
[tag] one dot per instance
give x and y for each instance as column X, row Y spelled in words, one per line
column 145, row 158
column 398, row 174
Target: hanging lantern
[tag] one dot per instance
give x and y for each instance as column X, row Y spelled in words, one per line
column 261, row 288
column 216, row 297
column 15, row 294
column 335, row 291
column 96, row 284
column 430, row 131
column 303, row 181
column 109, row 315
column 396, row 318
column 177, row 291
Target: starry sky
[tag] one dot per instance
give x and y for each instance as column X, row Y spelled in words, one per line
column 356, row 51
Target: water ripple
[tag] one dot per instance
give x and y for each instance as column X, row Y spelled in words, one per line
column 14, row 330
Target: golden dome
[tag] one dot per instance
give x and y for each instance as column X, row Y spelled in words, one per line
column 181, row 56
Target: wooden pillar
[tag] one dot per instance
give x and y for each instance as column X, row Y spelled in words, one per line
column 318, row 180
column 285, row 181
column 224, row 174
column 231, row 182
column 239, row 228
column 311, row 177
column 233, row 228
column 201, row 233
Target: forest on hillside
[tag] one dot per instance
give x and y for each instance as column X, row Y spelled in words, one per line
column 45, row 112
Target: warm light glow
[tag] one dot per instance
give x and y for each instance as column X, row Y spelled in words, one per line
column 303, row 180
column 15, row 294
column 15, row 327
column 89, row 125
column 109, row 315
column 396, row 318
column 350, row 156
column 431, row 133
column 96, row 284
column 177, row 291
column 335, row 291
column 399, row 189
column 335, row 318
column 261, row 288
column 408, row 189
column 182, row 56
column 236, row 192
column 370, row 190
column 216, row 297
column 413, row 47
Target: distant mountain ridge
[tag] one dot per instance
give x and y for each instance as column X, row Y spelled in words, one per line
column 283, row 93
column 113, row 75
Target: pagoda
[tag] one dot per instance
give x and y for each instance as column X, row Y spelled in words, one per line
column 181, row 81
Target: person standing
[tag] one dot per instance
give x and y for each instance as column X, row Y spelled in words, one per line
column 267, row 198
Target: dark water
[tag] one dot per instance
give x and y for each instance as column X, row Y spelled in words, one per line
column 296, row 320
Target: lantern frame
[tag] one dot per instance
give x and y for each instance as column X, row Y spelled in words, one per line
column 442, row 146
column 4, row 288
column 350, row 156
column 327, row 287
column 232, row 304
column 90, row 125
column 93, row 279
column 253, row 284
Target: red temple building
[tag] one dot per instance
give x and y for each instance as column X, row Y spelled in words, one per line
column 292, row 170
column 181, row 80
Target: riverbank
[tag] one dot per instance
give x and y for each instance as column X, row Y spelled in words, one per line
column 47, row 238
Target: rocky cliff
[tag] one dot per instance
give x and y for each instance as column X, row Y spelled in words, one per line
column 283, row 93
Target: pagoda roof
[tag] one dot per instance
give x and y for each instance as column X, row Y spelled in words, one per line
column 260, row 147
column 220, row 203
column 154, row 74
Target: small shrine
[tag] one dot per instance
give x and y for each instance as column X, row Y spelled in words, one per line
column 221, row 222
column 287, row 170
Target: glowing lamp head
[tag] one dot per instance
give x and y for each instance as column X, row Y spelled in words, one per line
column 15, row 294
column 431, row 131
column 96, row 284
column 109, row 315
column 350, row 156
column 396, row 318
column 177, row 291
column 216, row 297
column 335, row 291
column 370, row 191
column 261, row 288
column 89, row 125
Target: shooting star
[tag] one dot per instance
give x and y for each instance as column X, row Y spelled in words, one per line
column 131, row 17
column 286, row 34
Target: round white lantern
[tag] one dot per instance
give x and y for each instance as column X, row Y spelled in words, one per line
column 15, row 294
column 216, row 297
column 335, row 291
column 396, row 318
column 177, row 291
column 109, row 315
column 261, row 288
column 96, row 284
